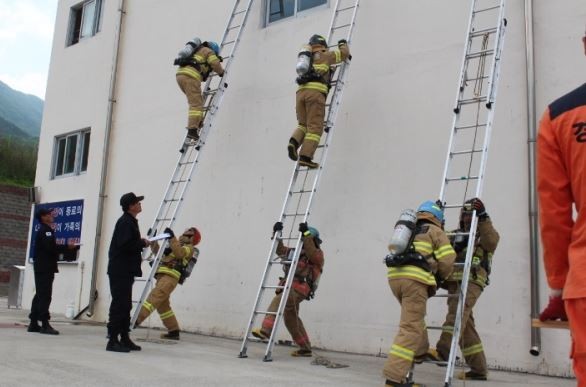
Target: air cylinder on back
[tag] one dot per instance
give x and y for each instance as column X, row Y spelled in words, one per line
column 403, row 231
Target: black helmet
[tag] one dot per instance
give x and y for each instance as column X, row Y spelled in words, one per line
column 318, row 40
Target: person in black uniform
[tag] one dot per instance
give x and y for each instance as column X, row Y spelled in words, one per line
column 45, row 257
column 123, row 265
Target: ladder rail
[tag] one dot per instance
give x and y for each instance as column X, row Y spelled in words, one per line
column 498, row 50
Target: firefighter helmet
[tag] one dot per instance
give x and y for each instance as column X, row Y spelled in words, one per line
column 214, row 46
column 318, row 40
column 194, row 234
column 433, row 208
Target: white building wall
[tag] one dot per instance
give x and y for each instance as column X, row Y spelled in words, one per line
column 387, row 154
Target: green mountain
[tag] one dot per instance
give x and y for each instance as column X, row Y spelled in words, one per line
column 19, row 112
column 8, row 129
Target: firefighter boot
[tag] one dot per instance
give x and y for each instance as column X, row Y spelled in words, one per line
column 47, row 329
column 260, row 334
column 34, row 326
column 390, row 383
column 307, row 162
column 302, row 352
column 171, row 335
column 125, row 341
column 292, row 149
column 471, row 375
column 115, row 346
column 192, row 134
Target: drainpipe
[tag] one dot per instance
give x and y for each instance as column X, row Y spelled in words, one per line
column 105, row 157
column 531, row 141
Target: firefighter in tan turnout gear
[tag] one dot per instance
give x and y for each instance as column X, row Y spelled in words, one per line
column 196, row 61
column 315, row 72
column 412, row 277
column 171, row 272
column 307, row 274
column 485, row 244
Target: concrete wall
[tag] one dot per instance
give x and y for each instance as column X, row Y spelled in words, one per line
column 15, row 214
column 387, row 154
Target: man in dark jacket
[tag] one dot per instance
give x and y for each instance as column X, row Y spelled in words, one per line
column 123, row 265
column 45, row 257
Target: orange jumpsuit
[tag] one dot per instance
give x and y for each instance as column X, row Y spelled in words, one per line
column 561, row 183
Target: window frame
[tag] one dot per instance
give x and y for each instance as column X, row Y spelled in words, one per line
column 82, row 144
column 296, row 12
column 80, row 8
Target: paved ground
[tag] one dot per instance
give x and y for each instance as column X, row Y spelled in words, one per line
column 77, row 357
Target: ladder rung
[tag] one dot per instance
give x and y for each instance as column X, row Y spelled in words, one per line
column 480, row 53
column 186, row 162
column 300, row 192
column 180, row 181
column 434, row 328
column 456, row 233
column 140, row 279
column 469, row 126
column 463, row 178
column 231, row 28
column 293, row 214
column 466, row 152
column 459, row 263
column 228, row 42
column 238, row 12
column 164, row 219
column 345, row 8
column 483, row 32
column 265, row 312
column 472, row 100
column 273, row 287
column 487, row 9
column 171, row 200
column 446, row 295
column 342, row 26
column 476, row 78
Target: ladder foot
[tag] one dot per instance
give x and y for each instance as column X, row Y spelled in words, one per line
column 242, row 355
column 267, row 359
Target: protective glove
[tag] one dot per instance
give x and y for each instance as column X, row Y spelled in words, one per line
column 278, row 226
column 342, row 41
column 479, row 207
column 304, row 229
column 225, row 84
column 170, row 232
column 554, row 310
column 167, row 251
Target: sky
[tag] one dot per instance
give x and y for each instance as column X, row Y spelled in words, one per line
column 26, row 35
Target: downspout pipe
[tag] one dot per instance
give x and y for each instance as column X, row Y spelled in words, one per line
column 105, row 158
column 531, row 142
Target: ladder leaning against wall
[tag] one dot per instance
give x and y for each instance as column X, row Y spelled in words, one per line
column 465, row 165
column 213, row 93
column 303, row 186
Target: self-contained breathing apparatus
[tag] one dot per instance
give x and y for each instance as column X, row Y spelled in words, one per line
column 185, row 57
column 401, row 245
column 305, row 70
column 309, row 279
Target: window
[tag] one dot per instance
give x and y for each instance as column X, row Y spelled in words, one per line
column 280, row 9
column 70, row 155
column 84, row 20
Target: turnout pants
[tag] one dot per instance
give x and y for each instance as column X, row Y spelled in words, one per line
column 43, row 296
column 291, row 316
column 310, row 108
column 411, row 340
column 159, row 299
column 121, row 305
column 191, row 87
column 470, row 342
column 576, row 310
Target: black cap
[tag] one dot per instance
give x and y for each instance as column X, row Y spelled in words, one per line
column 128, row 199
column 42, row 212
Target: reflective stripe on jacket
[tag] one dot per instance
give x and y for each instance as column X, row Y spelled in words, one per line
column 484, row 248
column 433, row 243
column 322, row 60
column 179, row 255
column 207, row 60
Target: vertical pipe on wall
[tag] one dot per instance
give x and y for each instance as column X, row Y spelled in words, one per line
column 105, row 157
column 531, row 141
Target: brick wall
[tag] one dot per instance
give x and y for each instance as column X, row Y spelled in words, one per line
column 14, row 224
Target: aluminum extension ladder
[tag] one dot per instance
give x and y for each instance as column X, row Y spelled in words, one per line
column 303, row 185
column 213, row 93
column 467, row 155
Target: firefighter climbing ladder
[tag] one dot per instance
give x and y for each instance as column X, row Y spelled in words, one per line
column 471, row 131
column 213, row 93
column 303, row 185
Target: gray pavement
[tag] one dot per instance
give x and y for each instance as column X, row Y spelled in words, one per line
column 77, row 357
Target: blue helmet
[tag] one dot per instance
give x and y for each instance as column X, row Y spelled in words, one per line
column 433, row 208
column 313, row 231
column 214, row 46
